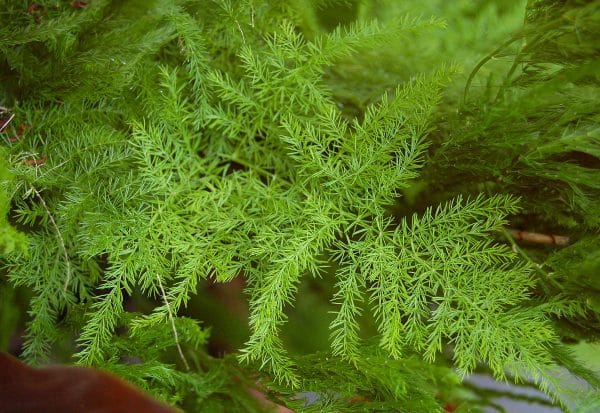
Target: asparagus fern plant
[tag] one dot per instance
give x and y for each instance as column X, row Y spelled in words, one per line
column 154, row 147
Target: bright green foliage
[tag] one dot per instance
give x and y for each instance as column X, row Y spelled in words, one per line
column 169, row 143
column 10, row 239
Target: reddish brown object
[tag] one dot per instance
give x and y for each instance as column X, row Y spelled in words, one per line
column 57, row 389
column 538, row 238
column 35, row 162
column 358, row 399
column 266, row 403
column 79, row 4
column 33, row 7
column 450, row 407
column 20, row 131
column 36, row 11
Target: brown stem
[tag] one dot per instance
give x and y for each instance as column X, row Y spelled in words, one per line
column 538, row 238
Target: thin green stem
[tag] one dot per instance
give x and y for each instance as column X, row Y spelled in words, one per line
column 539, row 270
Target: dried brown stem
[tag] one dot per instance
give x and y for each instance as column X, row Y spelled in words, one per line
column 539, row 238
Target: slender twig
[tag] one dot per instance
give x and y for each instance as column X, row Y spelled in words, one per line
column 172, row 320
column 539, row 238
column 482, row 62
column 515, row 64
column 544, row 275
column 59, row 235
column 6, row 122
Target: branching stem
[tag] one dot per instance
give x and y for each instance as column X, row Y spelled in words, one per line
column 172, row 320
column 61, row 240
column 544, row 275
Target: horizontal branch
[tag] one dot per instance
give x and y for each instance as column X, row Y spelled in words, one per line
column 539, row 238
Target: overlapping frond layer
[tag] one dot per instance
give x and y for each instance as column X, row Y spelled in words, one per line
column 542, row 116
